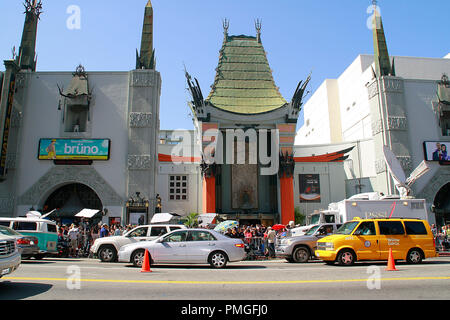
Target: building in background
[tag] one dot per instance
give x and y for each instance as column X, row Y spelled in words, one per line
column 83, row 139
column 400, row 102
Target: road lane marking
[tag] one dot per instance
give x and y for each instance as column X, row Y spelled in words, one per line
column 226, row 282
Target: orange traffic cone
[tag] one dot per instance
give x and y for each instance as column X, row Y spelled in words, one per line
column 146, row 263
column 391, row 262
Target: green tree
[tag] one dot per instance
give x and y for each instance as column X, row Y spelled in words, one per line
column 299, row 216
column 191, row 220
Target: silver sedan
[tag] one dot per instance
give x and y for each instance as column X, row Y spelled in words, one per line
column 184, row 247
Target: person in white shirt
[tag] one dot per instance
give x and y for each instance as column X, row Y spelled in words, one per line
column 73, row 237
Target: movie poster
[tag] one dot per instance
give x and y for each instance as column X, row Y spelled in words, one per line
column 309, row 187
column 436, row 150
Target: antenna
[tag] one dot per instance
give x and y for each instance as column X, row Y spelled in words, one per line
column 402, row 183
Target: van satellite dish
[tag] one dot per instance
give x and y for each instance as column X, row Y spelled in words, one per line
column 402, row 183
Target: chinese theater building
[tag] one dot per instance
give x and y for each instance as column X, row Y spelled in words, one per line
column 247, row 131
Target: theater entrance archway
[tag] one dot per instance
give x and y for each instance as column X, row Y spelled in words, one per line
column 442, row 206
column 71, row 199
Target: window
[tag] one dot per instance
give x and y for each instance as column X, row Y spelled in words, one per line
column 51, row 228
column 391, row 227
column 4, row 223
column 178, row 187
column 25, row 226
column 174, row 228
column 347, row 228
column 179, row 236
column 139, row 232
column 200, row 236
column 415, row 227
column 158, row 231
column 366, row 229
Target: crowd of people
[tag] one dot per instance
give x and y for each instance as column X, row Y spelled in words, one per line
column 259, row 238
column 441, row 236
column 80, row 235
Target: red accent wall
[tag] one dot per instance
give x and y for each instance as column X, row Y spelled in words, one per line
column 287, row 199
column 209, row 195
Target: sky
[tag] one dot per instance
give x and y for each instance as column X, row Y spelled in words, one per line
column 299, row 36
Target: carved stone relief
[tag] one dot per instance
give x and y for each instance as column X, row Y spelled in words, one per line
column 398, row 123
column 139, row 162
column 141, row 79
column 61, row 175
column 140, row 119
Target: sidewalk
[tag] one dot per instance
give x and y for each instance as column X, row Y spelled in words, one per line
column 444, row 253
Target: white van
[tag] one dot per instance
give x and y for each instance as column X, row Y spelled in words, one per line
column 44, row 230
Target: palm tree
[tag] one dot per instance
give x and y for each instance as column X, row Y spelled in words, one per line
column 191, row 220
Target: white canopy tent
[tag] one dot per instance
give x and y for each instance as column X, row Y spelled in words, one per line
column 163, row 217
column 87, row 213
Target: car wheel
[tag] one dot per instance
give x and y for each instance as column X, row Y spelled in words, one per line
column 290, row 260
column 346, row 258
column 218, row 259
column 300, row 255
column 414, row 256
column 137, row 258
column 107, row 254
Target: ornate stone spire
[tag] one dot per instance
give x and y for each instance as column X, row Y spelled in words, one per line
column 382, row 61
column 27, row 51
column 146, row 58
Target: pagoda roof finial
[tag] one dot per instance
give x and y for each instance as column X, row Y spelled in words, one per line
column 258, row 26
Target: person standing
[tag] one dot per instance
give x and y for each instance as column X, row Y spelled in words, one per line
column 104, row 232
column 271, row 236
column 73, row 235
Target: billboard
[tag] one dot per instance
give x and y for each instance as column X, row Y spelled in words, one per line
column 74, row 149
column 309, row 187
column 436, row 150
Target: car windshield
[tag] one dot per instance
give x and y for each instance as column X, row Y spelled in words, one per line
column 347, row 228
column 8, row 231
column 311, row 231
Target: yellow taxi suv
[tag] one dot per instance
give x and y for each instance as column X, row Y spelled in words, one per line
column 371, row 239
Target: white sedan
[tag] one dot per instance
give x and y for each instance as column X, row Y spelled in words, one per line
column 184, row 247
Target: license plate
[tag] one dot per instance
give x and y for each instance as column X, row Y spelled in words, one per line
column 5, row 271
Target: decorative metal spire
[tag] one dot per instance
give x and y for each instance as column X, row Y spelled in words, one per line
column 226, row 25
column 258, row 26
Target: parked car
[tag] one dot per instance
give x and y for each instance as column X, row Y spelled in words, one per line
column 9, row 255
column 106, row 248
column 371, row 239
column 27, row 245
column 44, row 230
column 301, row 249
column 198, row 246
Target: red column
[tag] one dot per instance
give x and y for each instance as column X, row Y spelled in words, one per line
column 287, row 199
column 209, row 194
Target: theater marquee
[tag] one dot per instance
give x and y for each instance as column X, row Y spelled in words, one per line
column 74, row 149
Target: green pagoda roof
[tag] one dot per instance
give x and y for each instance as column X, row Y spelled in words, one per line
column 244, row 82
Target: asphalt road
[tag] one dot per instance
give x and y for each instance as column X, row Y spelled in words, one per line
column 89, row 279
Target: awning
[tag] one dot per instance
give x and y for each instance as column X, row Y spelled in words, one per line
column 163, row 217
column 87, row 213
column 205, row 219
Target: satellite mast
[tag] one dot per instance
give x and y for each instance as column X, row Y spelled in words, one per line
column 402, row 183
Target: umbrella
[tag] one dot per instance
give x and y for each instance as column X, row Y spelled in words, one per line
column 278, row 227
column 223, row 226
